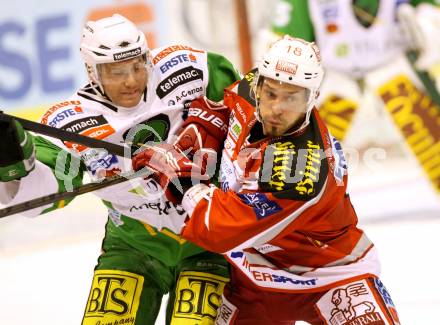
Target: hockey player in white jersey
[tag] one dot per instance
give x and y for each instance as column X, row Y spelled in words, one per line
column 143, row 256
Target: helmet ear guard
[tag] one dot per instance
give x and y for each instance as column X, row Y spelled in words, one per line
column 108, row 40
column 293, row 61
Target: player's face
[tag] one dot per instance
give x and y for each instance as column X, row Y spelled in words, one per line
column 124, row 82
column 282, row 105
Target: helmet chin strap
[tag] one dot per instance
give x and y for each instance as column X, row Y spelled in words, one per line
column 95, row 84
column 97, row 89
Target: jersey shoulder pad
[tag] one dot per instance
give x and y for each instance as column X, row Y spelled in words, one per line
column 244, row 87
column 162, row 54
column 78, row 116
column 181, row 73
column 62, row 112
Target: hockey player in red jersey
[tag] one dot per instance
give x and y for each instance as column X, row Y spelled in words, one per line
column 283, row 217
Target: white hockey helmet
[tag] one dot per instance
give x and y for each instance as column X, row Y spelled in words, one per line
column 110, row 39
column 294, row 61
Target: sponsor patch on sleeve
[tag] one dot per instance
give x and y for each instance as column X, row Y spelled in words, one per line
column 260, row 203
column 56, row 107
column 64, row 115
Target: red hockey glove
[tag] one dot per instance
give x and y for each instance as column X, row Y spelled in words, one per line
column 205, row 128
column 171, row 169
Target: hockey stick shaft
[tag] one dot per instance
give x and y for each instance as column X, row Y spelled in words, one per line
column 68, row 136
column 72, row 137
column 55, row 197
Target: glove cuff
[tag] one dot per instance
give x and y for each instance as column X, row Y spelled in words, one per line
column 194, row 195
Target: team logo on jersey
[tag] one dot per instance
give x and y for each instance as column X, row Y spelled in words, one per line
column 176, row 60
column 99, row 132
column 188, row 93
column 260, row 203
column 351, row 304
column 292, row 171
column 171, row 49
column 83, row 124
column 161, row 208
column 280, row 174
column 56, row 107
column 260, row 274
column 65, row 114
column 114, row 298
column 198, row 296
column 155, row 129
column 338, row 164
column 178, row 78
column 101, row 161
column 345, row 309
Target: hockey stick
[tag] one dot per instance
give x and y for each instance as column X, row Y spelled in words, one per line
column 77, row 138
column 68, row 136
column 55, row 197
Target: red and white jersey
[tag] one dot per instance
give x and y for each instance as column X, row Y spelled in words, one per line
column 283, row 216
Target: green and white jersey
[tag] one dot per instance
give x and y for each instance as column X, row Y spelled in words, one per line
column 138, row 212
